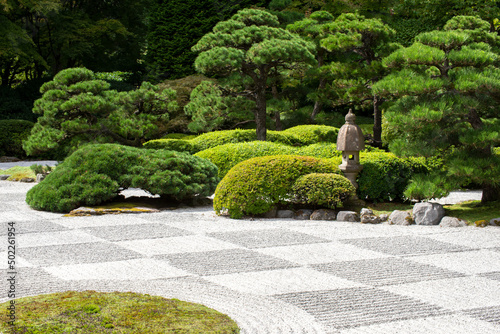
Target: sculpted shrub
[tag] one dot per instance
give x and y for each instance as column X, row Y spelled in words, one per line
column 254, row 186
column 96, row 173
column 311, row 134
column 179, row 145
column 323, row 189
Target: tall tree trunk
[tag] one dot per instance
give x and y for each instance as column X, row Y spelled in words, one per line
column 318, row 106
column 261, row 112
column 277, row 113
column 490, row 193
column 377, row 121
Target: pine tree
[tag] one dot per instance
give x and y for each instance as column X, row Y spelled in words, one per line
column 448, row 89
column 248, row 50
column 77, row 109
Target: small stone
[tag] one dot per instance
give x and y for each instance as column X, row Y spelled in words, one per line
column 285, row 214
column 4, row 177
column 304, row 214
column 452, row 222
column 347, row 216
column 9, row 159
column 495, row 222
column 27, row 180
column 370, row 219
column 40, row 177
column 383, row 217
column 271, row 213
column 428, row 213
column 323, row 214
column 366, row 211
column 399, row 217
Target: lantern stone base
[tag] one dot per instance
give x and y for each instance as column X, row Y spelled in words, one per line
column 351, row 172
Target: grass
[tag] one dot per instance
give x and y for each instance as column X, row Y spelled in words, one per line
column 116, row 312
column 470, row 211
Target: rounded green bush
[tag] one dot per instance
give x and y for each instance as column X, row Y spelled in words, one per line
column 311, row 134
column 96, row 173
column 323, row 189
column 12, row 134
column 179, row 145
column 385, row 176
column 254, row 186
column 227, row 156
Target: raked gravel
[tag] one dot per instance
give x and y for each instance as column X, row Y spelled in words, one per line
column 269, row 275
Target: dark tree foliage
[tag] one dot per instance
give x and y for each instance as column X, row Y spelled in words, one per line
column 175, row 26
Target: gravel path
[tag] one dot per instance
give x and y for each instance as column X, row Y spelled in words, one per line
column 270, row 276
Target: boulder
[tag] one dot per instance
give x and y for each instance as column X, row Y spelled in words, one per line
column 383, row 217
column 426, row 213
column 370, row 219
column 4, row 177
column 285, row 214
column 495, row 222
column 398, row 217
column 271, row 213
column 347, row 216
column 303, row 214
column 27, row 180
column 452, row 222
column 323, row 214
column 366, row 211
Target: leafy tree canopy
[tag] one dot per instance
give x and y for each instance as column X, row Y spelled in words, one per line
column 447, row 86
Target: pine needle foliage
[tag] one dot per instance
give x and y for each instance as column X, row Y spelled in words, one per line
column 447, row 90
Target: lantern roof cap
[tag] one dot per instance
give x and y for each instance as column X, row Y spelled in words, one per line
column 350, row 137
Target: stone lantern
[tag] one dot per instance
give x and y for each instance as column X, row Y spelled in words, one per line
column 350, row 141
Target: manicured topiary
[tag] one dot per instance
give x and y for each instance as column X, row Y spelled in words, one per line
column 97, row 173
column 254, row 186
column 179, row 145
column 385, row 176
column 227, row 156
column 12, row 134
column 323, row 189
column 311, row 134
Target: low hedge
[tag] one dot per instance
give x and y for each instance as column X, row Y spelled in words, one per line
column 12, row 134
column 297, row 136
column 229, row 155
column 312, row 134
column 254, row 186
column 323, row 189
column 96, row 173
column 385, row 176
column 179, row 145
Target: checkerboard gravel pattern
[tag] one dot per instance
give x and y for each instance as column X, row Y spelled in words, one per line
column 270, row 276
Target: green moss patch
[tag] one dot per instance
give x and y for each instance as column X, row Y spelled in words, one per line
column 474, row 211
column 116, row 312
column 17, row 173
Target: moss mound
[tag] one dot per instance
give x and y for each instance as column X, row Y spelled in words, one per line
column 254, row 186
column 97, row 173
column 116, row 312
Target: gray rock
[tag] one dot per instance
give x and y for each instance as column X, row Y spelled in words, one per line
column 27, row 180
column 383, row 217
column 366, row 211
column 398, row 217
column 285, row 214
column 370, row 219
column 40, row 177
column 323, row 214
column 4, row 177
column 271, row 213
column 428, row 213
column 304, row 214
column 495, row 222
column 452, row 222
column 347, row 216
